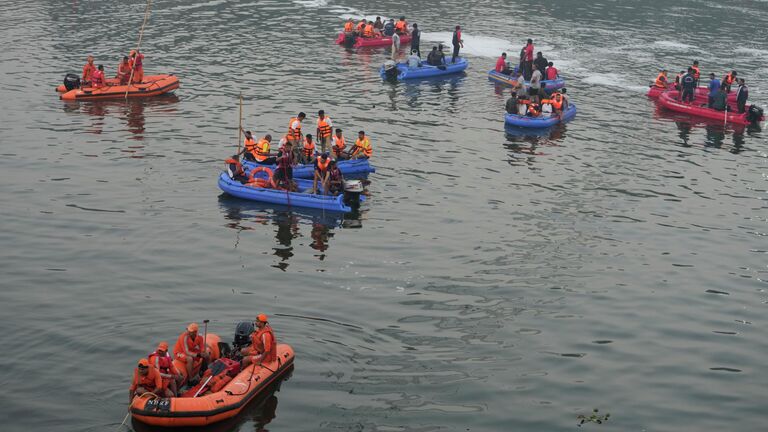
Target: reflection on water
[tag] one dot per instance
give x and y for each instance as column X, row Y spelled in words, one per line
column 716, row 133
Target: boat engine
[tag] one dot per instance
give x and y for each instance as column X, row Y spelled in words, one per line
column 755, row 114
column 71, row 81
column 352, row 191
column 243, row 332
column 391, row 71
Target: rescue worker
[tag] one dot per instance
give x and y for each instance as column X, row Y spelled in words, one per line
column 742, row 94
column 526, row 60
column 324, row 129
column 696, row 71
column 294, row 129
column 263, row 347
column 321, row 168
column 729, row 79
column 378, row 24
column 556, row 101
column 137, row 65
column 190, row 350
column 362, row 148
column 360, row 27
column 334, row 182
column 501, row 64
column 339, row 143
column 389, row 28
column 401, row 27
column 661, row 80
column 285, row 161
column 146, row 380
column 349, row 26
column 88, row 71
column 714, row 87
column 688, row 84
column 123, row 71
column 534, row 109
column 235, row 169
column 369, row 31
column 541, row 63
column 457, row 42
column 162, row 362
column 308, row 150
column 720, row 100
column 97, row 79
column 678, row 81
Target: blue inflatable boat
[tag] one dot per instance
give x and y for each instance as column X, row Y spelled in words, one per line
column 282, row 197
column 510, row 80
column 539, row 122
column 349, row 168
column 427, row 71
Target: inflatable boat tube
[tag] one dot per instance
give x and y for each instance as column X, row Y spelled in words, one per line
column 669, row 101
column 701, row 93
column 539, row 122
column 509, row 80
column 282, row 197
column 361, row 42
column 214, row 407
column 427, row 71
column 356, row 167
column 151, row 86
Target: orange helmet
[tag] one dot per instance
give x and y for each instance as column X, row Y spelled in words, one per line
column 162, row 346
column 143, row 363
column 193, row 327
column 261, row 318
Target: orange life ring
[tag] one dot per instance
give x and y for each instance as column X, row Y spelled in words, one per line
column 269, row 182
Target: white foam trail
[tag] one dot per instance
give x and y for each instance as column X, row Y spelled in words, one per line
column 612, row 80
column 676, row 45
column 311, row 3
column 478, row 46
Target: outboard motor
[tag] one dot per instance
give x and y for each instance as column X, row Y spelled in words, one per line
column 243, row 332
column 391, row 71
column 754, row 114
column 71, row 81
column 352, row 191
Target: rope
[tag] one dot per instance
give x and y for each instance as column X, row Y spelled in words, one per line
column 138, row 46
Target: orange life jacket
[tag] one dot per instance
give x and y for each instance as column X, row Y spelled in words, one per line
column 534, row 109
column 323, row 166
column 363, row 145
column 309, row 148
column 696, row 72
column 163, row 364
column 401, row 26
column 661, row 81
column 294, row 135
column 238, row 166
column 261, row 151
column 97, row 79
column 218, row 382
column 339, row 144
column 349, row 26
column 556, row 100
column 360, row 26
column 324, row 126
column 728, row 80
column 88, row 71
column 368, row 31
column 263, row 341
column 151, row 381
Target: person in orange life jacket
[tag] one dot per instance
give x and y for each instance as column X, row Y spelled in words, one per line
column 534, row 109
column 556, row 102
column 334, row 180
column 286, row 159
column 324, row 128
column 294, row 129
column 123, row 71
column 307, row 154
column 137, row 64
column 551, row 73
column 263, row 347
column 362, row 148
column 369, row 31
column 349, row 26
column 696, row 71
column 661, row 80
column 258, row 151
column 339, row 144
column 88, row 71
column 97, row 79
column 190, row 349
column 401, row 27
column 235, row 168
column 321, row 169
column 729, row 79
column 146, row 380
column 163, row 363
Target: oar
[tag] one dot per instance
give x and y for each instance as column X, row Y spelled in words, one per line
column 202, row 387
column 138, row 46
column 240, row 129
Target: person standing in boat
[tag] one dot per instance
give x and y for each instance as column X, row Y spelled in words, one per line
column 324, row 128
column 339, row 144
column 146, row 380
column 416, row 39
column 378, row 24
column 294, row 129
column 696, row 71
column 123, row 71
column 457, row 42
column 137, row 64
column 720, row 100
column 190, row 350
column 263, row 347
column 535, row 86
column 552, row 73
column 389, row 28
column 728, row 80
column 688, row 82
column 88, row 71
column 742, row 94
column 401, row 26
column 285, row 162
column 526, row 60
column 714, row 87
column 541, row 63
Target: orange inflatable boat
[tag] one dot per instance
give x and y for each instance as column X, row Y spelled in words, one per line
column 214, row 399
column 152, row 85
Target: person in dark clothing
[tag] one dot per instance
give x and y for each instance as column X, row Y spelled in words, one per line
column 457, row 42
column 688, row 82
column 284, row 173
column 378, row 25
column 741, row 96
column 440, row 55
column 526, row 60
column 541, row 63
column 433, row 58
column 511, row 105
column 416, row 39
column 720, row 99
column 389, row 28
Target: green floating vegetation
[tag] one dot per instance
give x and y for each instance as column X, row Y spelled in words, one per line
column 593, row 418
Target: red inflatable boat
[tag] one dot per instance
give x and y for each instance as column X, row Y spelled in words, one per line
column 372, row 42
column 669, row 101
column 700, row 93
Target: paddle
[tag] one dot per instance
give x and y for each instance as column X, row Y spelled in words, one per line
column 240, row 128
column 141, row 35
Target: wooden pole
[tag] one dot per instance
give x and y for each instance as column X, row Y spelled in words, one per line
column 138, row 45
column 240, row 128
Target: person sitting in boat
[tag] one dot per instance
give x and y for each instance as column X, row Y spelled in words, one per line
column 123, row 71
column 97, row 79
column 137, row 64
column 414, row 61
column 349, row 26
column 401, row 26
column 146, row 380
column 258, row 152
column 556, row 101
column 566, row 101
column 285, row 161
column 522, row 104
column 378, row 24
column 162, row 362
column 321, row 169
column 511, row 105
column 534, row 109
column 369, row 32
column 339, row 143
column 360, row 27
column 235, row 169
column 501, row 64
column 334, row 180
column 389, row 27
column 433, row 58
column 263, row 347
column 307, row 154
column 720, row 99
column 441, row 54
column 551, row 73
column 362, row 148
column 190, row 350
column 88, row 71
column 728, row 80
column 661, row 80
